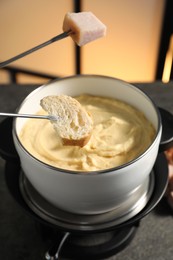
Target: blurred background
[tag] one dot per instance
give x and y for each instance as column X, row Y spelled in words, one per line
column 138, row 46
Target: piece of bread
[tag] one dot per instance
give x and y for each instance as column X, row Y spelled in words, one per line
column 84, row 26
column 74, row 124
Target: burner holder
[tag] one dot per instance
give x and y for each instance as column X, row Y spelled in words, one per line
column 134, row 203
column 121, row 234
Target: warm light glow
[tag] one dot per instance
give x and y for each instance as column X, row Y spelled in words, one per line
column 168, row 62
column 130, row 49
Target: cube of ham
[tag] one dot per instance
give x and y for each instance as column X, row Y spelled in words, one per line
column 84, row 26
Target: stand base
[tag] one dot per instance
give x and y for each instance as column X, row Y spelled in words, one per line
column 92, row 246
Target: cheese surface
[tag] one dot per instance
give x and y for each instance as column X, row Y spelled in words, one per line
column 120, row 134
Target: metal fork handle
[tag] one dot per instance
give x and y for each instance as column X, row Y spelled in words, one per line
column 49, row 117
column 19, row 56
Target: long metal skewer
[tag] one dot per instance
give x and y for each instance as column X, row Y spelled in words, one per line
column 49, row 117
column 54, row 39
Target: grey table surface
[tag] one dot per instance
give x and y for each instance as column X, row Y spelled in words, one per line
column 20, row 239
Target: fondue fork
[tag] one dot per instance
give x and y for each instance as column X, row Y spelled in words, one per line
column 54, row 39
column 49, row 117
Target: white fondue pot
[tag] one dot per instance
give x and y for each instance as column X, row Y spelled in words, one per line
column 92, row 192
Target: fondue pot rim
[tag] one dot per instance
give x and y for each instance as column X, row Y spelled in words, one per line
column 96, row 172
